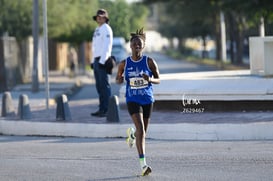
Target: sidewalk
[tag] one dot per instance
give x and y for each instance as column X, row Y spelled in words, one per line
column 165, row 124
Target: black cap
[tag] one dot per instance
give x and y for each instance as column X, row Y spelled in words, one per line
column 101, row 13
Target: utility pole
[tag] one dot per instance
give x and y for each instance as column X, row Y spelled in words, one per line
column 46, row 52
column 223, row 36
column 35, row 34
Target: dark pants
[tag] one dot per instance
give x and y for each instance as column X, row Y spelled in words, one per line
column 102, row 85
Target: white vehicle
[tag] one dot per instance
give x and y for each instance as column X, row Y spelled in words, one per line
column 118, row 49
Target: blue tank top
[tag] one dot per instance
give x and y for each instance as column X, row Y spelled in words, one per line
column 138, row 89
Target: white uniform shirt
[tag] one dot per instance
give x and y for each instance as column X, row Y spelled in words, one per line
column 102, row 43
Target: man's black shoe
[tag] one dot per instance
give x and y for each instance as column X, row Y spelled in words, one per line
column 102, row 115
column 95, row 113
column 99, row 114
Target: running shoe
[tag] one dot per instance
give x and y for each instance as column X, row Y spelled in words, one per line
column 146, row 170
column 131, row 140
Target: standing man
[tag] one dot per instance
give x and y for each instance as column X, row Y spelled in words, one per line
column 101, row 51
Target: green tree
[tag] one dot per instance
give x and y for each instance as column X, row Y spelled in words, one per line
column 71, row 20
column 187, row 18
column 16, row 18
column 125, row 18
column 183, row 19
column 139, row 16
column 242, row 17
column 119, row 15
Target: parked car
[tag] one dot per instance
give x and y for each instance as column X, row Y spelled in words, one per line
column 118, row 49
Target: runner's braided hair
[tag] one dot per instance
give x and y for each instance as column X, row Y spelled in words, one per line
column 139, row 34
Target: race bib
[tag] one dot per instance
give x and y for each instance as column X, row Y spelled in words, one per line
column 138, row 83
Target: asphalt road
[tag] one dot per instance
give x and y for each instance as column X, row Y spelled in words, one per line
column 166, row 65
column 169, row 65
column 77, row 159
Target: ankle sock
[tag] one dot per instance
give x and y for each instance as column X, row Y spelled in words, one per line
column 142, row 160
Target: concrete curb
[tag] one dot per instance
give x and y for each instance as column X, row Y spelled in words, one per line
column 180, row 131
